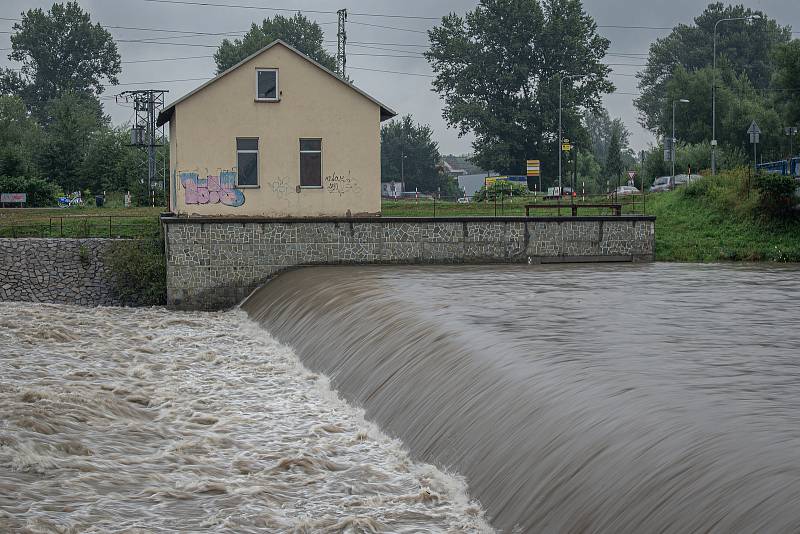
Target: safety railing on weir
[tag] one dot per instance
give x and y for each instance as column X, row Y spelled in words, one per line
column 79, row 226
column 518, row 205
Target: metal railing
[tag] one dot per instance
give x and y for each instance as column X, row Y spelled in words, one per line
column 79, row 226
column 517, row 205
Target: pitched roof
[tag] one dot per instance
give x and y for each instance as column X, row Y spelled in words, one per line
column 166, row 114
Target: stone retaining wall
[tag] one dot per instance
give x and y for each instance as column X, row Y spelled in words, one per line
column 66, row 271
column 214, row 264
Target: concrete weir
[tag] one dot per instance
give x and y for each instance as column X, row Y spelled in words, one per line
column 213, row 263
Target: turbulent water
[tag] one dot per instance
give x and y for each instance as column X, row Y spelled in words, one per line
column 652, row 398
column 120, row 420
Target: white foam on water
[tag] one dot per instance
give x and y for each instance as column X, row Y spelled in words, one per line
column 148, row 420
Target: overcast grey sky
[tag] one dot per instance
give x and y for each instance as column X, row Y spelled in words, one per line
column 404, row 93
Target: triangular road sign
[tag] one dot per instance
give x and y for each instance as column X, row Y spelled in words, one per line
column 754, row 129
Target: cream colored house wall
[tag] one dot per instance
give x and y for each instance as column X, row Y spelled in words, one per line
column 313, row 104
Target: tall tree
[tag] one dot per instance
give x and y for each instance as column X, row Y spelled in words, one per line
column 614, row 166
column 744, row 47
column 409, row 154
column 300, row 32
column 738, row 103
column 600, row 128
column 61, row 51
column 498, row 71
column 71, row 122
column 20, row 137
column 787, row 81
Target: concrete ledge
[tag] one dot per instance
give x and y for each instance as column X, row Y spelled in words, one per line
column 213, row 262
column 169, row 218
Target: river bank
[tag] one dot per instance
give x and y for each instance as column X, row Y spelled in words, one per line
column 120, row 419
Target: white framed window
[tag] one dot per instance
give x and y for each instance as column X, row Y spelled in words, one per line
column 267, row 85
column 247, row 161
column 310, row 162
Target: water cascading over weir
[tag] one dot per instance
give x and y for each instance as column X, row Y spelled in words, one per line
column 519, row 382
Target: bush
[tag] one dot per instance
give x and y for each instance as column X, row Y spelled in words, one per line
column 41, row 193
column 499, row 190
column 138, row 271
column 776, row 193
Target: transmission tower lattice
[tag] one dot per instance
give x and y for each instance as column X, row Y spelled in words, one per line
column 341, row 34
column 146, row 135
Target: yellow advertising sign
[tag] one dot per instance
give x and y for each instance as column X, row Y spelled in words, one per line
column 566, row 147
column 533, row 167
column 492, row 179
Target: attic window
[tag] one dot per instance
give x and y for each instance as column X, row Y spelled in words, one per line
column 267, row 84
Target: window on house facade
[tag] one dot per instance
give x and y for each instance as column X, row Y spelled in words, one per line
column 247, row 161
column 267, row 84
column 311, row 162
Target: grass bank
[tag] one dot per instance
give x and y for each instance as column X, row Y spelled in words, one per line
column 723, row 218
column 78, row 222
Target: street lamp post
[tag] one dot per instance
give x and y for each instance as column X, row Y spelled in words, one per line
column 674, row 141
column 561, row 79
column 714, row 93
column 403, row 171
column 790, row 131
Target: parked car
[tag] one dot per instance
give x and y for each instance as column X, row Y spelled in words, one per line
column 683, row 179
column 463, row 200
column 624, row 190
column 662, row 183
column 668, row 183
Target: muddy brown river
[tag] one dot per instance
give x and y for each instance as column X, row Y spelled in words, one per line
column 617, row 398
column 589, row 398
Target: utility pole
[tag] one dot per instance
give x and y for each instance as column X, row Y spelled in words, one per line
column 145, row 134
column 341, row 35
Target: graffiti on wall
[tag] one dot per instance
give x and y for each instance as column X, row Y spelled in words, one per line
column 219, row 189
column 341, row 184
column 280, row 187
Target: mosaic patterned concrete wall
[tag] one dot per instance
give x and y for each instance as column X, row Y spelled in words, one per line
column 64, row 271
column 213, row 264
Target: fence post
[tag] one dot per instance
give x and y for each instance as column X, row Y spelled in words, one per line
column 109, row 226
column 434, row 206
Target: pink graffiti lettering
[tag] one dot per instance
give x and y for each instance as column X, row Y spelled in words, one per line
column 211, row 189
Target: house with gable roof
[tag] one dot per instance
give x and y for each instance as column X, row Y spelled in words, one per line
column 277, row 135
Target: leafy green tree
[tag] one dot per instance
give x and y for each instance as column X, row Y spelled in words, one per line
column 409, row 154
column 614, row 166
column 71, row 120
column 600, row 128
column 746, row 48
column 498, row 70
column 20, row 138
column 111, row 164
column 590, row 173
column 738, row 103
column 787, row 80
column 61, row 51
column 300, row 32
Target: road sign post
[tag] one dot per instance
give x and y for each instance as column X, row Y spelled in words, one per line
column 755, row 134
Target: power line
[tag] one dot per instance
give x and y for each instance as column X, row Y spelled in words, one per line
column 381, row 26
column 264, row 8
column 395, row 72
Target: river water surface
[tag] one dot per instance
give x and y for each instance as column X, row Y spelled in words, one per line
column 144, row 421
column 617, row 398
